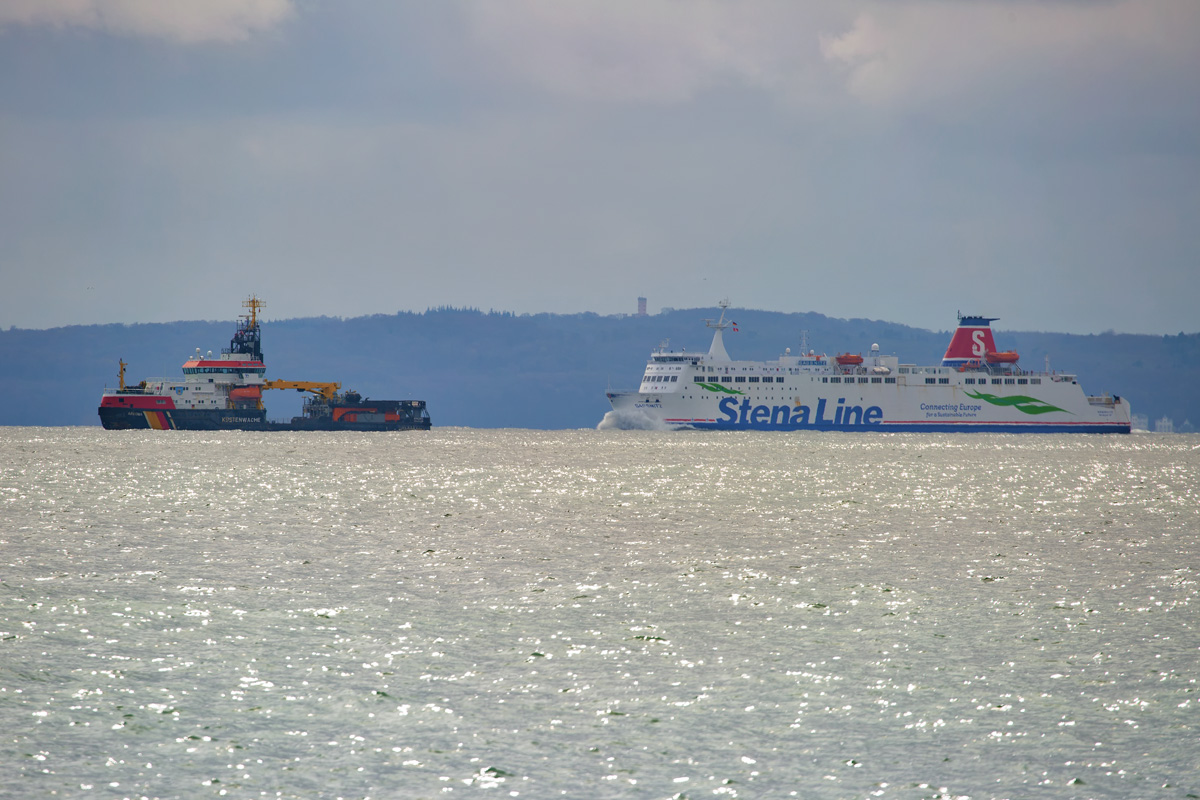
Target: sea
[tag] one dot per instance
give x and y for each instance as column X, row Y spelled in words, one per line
column 463, row 613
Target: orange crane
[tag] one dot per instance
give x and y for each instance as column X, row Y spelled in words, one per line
column 325, row 390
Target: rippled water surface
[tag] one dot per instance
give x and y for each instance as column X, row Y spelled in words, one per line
column 464, row 613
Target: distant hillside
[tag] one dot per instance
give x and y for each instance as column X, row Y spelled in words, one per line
column 488, row 370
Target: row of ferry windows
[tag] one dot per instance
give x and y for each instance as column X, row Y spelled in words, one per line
column 224, row 370
column 740, row 379
column 838, row 379
column 995, row 381
column 769, row 379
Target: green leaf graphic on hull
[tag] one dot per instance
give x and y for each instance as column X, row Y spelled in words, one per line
column 716, row 387
column 1023, row 403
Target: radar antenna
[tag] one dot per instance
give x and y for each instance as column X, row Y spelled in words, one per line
column 720, row 324
column 254, row 304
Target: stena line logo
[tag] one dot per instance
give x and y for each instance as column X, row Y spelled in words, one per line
column 824, row 415
column 977, row 340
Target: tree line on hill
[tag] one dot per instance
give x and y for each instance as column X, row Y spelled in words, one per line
column 549, row 371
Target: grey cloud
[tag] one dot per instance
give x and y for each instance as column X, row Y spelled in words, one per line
column 209, row 20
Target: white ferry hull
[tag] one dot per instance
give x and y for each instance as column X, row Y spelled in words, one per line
column 877, row 393
column 897, row 408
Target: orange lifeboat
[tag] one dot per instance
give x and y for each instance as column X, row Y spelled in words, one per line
column 245, row 393
column 1005, row 357
column 849, row 360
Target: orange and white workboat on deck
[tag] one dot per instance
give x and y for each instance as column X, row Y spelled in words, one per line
column 225, row 392
column 975, row 388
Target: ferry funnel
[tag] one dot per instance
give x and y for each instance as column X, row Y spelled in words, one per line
column 972, row 341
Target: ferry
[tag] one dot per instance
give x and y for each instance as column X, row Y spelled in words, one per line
column 975, row 388
column 225, row 392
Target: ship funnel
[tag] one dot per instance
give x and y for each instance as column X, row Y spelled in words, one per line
column 972, row 341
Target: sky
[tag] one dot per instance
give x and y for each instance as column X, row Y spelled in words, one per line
column 902, row 160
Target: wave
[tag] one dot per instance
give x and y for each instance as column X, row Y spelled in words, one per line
column 626, row 420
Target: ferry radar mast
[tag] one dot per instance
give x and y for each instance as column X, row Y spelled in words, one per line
column 716, row 351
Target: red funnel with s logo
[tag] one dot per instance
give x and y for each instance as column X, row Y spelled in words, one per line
column 972, row 341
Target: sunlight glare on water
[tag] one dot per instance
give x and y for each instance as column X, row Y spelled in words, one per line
column 598, row 614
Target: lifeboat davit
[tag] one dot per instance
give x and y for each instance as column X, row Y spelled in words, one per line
column 1005, row 357
column 849, row 360
column 245, row 393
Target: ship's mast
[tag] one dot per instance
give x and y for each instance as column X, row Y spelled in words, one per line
column 247, row 339
column 716, row 351
column 254, row 304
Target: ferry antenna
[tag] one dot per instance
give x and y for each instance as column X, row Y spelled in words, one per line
column 720, row 324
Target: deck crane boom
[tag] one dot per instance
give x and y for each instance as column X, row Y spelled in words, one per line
column 326, row 390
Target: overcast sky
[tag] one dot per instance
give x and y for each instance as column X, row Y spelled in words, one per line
column 899, row 160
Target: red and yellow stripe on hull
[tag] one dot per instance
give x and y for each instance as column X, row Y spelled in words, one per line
column 158, row 420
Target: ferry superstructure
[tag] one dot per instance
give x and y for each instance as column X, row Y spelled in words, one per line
column 974, row 388
column 225, row 392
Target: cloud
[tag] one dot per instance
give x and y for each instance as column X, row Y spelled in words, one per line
column 657, row 51
column 914, row 53
column 984, row 57
column 186, row 21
